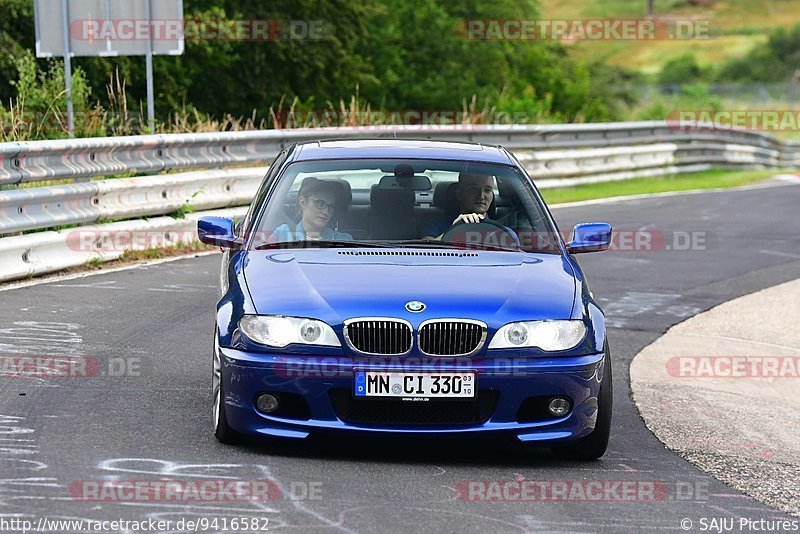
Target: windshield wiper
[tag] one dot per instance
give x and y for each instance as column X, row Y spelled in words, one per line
column 424, row 243
column 411, row 243
column 322, row 244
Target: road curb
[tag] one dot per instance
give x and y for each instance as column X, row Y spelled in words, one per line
column 708, row 389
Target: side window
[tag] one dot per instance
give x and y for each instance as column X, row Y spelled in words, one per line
column 262, row 191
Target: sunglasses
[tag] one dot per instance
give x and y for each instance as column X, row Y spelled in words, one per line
column 323, row 205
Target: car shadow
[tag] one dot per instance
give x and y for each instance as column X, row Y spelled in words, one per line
column 410, row 450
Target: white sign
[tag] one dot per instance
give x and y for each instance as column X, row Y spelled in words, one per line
column 109, row 27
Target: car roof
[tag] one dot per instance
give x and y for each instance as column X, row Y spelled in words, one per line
column 400, row 148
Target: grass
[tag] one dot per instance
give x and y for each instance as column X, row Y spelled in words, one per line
column 649, row 56
column 159, row 253
column 791, row 135
column 637, row 186
column 355, row 111
column 742, row 24
column 130, row 257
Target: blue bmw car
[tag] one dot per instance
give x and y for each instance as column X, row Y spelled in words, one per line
column 407, row 287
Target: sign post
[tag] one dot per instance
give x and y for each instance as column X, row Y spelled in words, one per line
column 67, row 68
column 151, row 107
column 81, row 28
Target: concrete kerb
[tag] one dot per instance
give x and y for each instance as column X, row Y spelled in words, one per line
column 721, row 389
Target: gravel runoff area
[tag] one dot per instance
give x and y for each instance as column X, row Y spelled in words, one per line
column 695, row 390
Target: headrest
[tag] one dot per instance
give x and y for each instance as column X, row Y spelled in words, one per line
column 391, row 200
column 439, row 194
column 347, row 191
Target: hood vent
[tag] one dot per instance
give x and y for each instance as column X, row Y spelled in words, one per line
column 406, row 253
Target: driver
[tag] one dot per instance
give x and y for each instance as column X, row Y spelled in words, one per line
column 475, row 194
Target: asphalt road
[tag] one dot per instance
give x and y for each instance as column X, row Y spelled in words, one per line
column 154, row 422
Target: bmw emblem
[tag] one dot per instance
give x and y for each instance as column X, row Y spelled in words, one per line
column 415, row 306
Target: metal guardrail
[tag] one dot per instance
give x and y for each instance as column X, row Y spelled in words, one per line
column 123, row 198
column 555, row 155
column 50, row 160
column 46, row 252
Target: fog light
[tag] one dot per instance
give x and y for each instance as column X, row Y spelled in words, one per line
column 267, row 403
column 517, row 334
column 558, row 406
column 310, row 331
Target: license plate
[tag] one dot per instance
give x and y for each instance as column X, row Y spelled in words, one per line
column 434, row 385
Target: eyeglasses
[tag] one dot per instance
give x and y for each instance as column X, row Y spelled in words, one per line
column 322, row 205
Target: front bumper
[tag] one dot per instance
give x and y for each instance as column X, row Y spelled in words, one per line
column 510, row 380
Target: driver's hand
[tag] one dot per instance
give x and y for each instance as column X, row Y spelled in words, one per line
column 469, row 218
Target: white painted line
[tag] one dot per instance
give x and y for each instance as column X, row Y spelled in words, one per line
column 73, row 276
column 778, row 253
column 108, row 284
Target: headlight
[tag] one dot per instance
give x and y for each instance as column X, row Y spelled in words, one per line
column 277, row 331
column 547, row 335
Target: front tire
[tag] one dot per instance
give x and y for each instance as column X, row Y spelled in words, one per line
column 223, row 432
column 595, row 444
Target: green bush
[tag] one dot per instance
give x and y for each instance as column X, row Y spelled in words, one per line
column 16, row 36
column 682, row 70
column 39, row 109
column 44, row 89
column 777, row 60
column 696, row 97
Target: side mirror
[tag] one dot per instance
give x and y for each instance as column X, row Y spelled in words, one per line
column 217, row 231
column 590, row 237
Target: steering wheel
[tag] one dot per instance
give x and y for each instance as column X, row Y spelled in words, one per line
column 487, row 232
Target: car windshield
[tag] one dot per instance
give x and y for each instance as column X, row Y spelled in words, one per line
column 405, row 203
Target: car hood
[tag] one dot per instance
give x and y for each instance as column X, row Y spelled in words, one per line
column 336, row 284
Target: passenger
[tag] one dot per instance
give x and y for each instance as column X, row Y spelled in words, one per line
column 320, row 203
